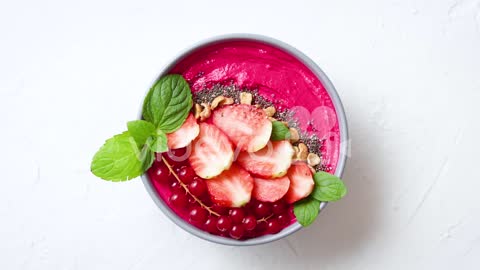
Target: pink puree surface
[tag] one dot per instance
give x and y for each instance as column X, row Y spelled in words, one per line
column 277, row 75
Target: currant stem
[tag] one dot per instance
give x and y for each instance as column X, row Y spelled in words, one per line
column 209, row 209
column 188, row 191
column 265, row 218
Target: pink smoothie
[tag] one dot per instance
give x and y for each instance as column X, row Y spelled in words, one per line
column 278, row 76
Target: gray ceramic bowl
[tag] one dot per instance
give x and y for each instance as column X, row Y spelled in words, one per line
column 343, row 138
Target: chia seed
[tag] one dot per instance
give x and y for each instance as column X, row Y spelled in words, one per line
column 312, row 141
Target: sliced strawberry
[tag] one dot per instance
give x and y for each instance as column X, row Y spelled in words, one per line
column 270, row 190
column 270, row 162
column 245, row 125
column 212, row 152
column 232, row 188
column 301, row 182
column 184, row 135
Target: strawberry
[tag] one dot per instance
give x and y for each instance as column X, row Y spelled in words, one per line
column 184, row 135
column 270, row 190
column 245, row 125
column 270, row 162
column 232, row 188
column 212, row 152
column 301, row 182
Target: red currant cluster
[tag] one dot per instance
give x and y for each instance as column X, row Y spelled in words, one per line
column 188, row 194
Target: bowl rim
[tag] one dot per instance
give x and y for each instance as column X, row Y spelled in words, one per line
column 339, row 109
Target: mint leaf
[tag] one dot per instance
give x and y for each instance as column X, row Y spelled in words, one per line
column 306, row 210
column 140, row 130
column 168, row 103
column 328, row 187
column 159, row 144
column 279, row 131
column 148, row 157
column 120, row 159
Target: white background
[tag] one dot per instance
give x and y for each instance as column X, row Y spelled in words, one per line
column 72, row 74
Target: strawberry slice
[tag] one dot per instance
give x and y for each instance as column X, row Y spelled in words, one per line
column 184, row 135
column 270, row 162
column 245, row 125
column 301, row 182
column 212, row 152
column 270, row 190
column 232, row 188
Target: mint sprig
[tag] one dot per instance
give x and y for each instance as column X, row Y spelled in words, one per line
column 306, row 210
column 168, row 102
column 159, row 144
column 328, row 188
column 140, row 130
column 130, row 154
column 120, row 159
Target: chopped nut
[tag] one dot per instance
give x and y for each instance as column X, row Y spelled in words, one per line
column 270, row 111
column 257, row 106
column 285, row 123
column 246, row 98
column 302, row 152
column 313, row 159
column 217, row 101
column 294, row 136
column 206, row 112
column 228, row 101
column 198, row 110
column 220, row 101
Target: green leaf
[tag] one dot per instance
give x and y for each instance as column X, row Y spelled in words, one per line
column 149, row 157
column 140, row 130
column 328, row 187
column 168, row 103
column 120, row 159
column 279, row 131
column 159, row 144
column 306, row 211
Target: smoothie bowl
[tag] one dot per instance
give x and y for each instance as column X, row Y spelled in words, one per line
column 240, row 141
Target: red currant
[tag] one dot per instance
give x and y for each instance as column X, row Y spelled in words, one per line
column 261, row 227
column 237, row 231
column 175, row 185
column 178, row 199
column 237, row 215
column 161, row 172
column 249, row 223
column 220, row 209
column 273, row 226
column 279, row 207
column 262, row 209
column 211, row 224
column 283, row 219
column 186, row 174
column 197, row 187
column 224, row 223
column 198, row 214
column 176, row 156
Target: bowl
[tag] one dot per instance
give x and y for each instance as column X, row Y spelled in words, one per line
column 341, row 152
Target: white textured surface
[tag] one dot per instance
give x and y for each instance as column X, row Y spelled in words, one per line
column 72, row 74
